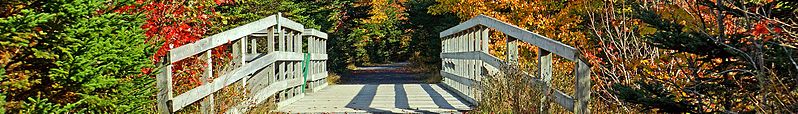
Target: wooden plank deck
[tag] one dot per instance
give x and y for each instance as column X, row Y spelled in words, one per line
column 379, row 98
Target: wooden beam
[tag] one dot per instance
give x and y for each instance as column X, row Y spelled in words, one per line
column 314, row 32
column 207, row 102
column 191, row 49
column 582, row 72
column 290, row 24
column 270, row 90
column 558, row 96
column 318, row 56
column 164, row 85
column 484, row 57
column 550, row 45
column 512, row 51
column 544, row 70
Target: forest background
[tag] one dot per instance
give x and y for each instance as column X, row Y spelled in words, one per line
column 678, row 56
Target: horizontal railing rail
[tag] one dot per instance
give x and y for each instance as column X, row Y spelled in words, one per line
column 273, row 69
column 466, row 60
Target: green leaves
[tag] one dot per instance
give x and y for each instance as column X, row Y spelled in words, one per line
column 69, row 56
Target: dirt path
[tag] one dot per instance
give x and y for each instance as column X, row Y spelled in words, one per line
column 394, row 73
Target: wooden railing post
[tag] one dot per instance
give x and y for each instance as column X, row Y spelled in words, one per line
column 512, row 50
column 582, row 72
column 484, row 43
column 207, row 103
column 253, row 46
column 473, row 64
column 270, row 43
column 544, row 70
column 461, row 68
column 164, row 85
column 243, row 56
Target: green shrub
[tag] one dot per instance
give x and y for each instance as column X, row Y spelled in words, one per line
column 73, row 56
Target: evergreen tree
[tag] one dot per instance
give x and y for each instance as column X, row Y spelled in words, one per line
column 73, row 56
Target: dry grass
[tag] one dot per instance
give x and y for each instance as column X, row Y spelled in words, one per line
column 512, row 93
column 433, row 78
column 229, row 97
column 333, row 78
column 508, row 94
column 265, row 107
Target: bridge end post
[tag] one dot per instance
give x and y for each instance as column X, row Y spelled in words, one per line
column 207, row 102
column 544, row 70
column 512, row 50
column 582, row 72
column 164, row 85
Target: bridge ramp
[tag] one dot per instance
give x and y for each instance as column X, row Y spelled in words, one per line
column 379, row 98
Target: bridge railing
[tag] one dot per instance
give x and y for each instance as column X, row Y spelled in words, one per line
column 466, row 60
column 317, row 49
column 268, row 59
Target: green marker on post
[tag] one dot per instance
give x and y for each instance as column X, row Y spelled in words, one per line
column 305, row 71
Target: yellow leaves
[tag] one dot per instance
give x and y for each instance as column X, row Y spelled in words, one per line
column 381, row 9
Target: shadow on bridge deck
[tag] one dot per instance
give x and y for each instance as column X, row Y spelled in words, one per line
column 380, row 90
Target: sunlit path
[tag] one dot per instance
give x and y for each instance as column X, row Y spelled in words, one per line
column 375, row 98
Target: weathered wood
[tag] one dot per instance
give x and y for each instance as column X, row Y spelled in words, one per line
column 582, row 72
column 468, row 42
column 270, row 40
column 550, row 45
column 260, row 79
column 270, row 90
column 207, row 103
column 460, row 79
column 298, row 42
column 188, row 50
column 164, row 83
column 279, row 67
column 544, row 70
column 318, row 56
column 382, row 98
column 314, row 32
column 253, row 47
column 244, row 56
column 318, row 76
column 290, row 24
column 199, row 92
column 289, row 43
column 512, row 51
column 484, row 57
column 281, row 40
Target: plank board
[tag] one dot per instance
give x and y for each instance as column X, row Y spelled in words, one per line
column 379, row 98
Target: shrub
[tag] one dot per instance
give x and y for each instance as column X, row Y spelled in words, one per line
column 71, row 56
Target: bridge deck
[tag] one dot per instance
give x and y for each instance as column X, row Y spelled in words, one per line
column 379, row 98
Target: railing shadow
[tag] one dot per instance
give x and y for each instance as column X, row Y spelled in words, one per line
column 400, row 97
column 436, row 97
column 363, row 99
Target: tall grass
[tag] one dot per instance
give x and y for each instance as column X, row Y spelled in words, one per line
column 509, row 92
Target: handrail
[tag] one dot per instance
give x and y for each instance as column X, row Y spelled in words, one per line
column 550, row 45
column 466, row 60
column 274, row 72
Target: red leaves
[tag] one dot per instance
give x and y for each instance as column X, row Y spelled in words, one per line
column 173, row 23
column 764, row 30
column 223, row 2
column 759, row 28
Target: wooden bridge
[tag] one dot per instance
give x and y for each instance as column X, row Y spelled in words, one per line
column 270, row 65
